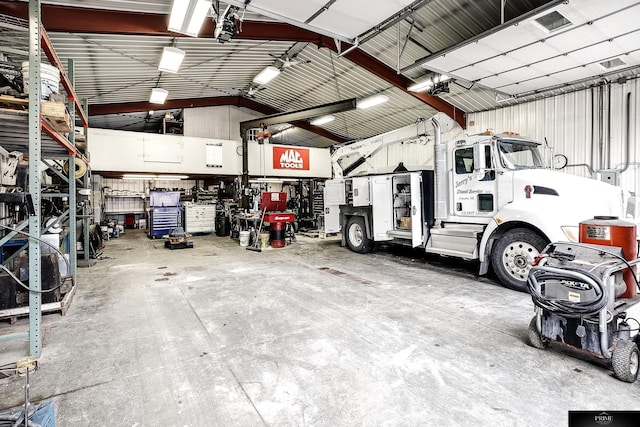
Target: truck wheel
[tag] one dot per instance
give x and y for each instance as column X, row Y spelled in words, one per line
column 625, row 360
column 537, row 340
column 357, row 235
column 512, row 255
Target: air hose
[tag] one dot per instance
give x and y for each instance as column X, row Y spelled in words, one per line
column 563, row 306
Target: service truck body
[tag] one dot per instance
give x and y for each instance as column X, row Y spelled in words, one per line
column 488, row 198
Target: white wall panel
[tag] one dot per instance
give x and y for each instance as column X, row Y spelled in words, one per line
column 573, row 123
column 120, row 151
column 215, row 122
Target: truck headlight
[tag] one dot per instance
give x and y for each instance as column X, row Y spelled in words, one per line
column 571, row 232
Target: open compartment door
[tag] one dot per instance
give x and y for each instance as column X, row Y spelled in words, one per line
column 416, row 210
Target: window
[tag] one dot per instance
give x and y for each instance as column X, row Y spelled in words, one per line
column 485, row 202
column 464, row 160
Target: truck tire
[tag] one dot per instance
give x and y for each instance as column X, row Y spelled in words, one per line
column 625, row 359
column 356, row 234
column 512, row 255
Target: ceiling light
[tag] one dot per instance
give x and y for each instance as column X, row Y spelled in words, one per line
column 427, row 83
column 158, row 96
column 172, row 177
column 371, row 101
column 323, row 120
column 171, row 59
column 187, row 16
column 137, row 177
column 149, row 177
column 266, row 75
column 266, row 180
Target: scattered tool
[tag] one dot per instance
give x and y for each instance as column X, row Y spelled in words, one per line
column 256, row 241
column 178, row 239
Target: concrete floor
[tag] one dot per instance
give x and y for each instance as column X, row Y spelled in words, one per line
column 311, row 334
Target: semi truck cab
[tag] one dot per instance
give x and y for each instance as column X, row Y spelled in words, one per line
column 488, row 198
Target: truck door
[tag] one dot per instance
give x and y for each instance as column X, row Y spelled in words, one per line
column 381, row 207
column 474, row 186
column 334, row 196
column 416, row 210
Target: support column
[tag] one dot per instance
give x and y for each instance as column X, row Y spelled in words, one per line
column 35, row 280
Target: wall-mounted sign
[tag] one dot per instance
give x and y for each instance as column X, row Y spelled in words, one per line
column 291, row 158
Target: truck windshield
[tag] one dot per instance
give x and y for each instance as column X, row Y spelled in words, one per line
column 516, row 154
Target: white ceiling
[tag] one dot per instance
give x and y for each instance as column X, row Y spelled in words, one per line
column 344, row 19
column 525, row 58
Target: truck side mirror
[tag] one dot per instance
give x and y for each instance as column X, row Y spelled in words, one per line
column 480, row 167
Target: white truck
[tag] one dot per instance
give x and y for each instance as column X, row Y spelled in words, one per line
column 488, row 198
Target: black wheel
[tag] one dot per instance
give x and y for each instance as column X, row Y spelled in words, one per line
column 356, row 234
column 537, row 340
column 512, row 255
column 625, row 360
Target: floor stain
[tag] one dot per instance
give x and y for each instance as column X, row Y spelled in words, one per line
column 347, row 276
column 164, row 279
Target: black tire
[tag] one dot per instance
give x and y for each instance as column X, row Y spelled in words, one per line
column 356, row 235
column 625, row 361
column 537, row 340
column 512, row 255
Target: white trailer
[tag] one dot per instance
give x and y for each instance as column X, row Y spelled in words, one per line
column 488, row 198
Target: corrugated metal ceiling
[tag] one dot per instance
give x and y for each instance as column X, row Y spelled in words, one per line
column 113, row 68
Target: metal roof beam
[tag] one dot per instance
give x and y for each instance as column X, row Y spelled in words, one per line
column 371, row 64
column 84, row 20
column 236, row 101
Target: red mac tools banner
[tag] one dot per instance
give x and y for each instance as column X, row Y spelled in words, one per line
column 291, row 158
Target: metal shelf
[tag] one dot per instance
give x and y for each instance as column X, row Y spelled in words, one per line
column 25, row 131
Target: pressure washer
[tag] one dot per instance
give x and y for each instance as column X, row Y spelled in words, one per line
column 582, row 292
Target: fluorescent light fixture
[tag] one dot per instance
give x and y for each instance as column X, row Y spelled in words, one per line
column 372, row 101
column 172, row 177
column 266, row 180
column 323, row 120
column 150, row 177
column 171, row 59
column 427, row 83
column 187, row 16
column 137, row 177
column 266, row 75
column 158, row 96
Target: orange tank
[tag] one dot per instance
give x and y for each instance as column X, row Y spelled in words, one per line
column 611, row 231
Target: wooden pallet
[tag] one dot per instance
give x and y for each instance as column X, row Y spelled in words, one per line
column 61, row 306
column 56, row 114
column 16, row 103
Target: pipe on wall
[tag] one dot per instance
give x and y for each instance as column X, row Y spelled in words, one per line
column 627, row 133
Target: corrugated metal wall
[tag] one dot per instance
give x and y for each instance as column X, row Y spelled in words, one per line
column 577, row 125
